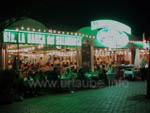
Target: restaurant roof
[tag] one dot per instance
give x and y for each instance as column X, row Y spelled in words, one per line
column 27, row 22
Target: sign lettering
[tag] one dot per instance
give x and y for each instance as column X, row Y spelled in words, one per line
column 28, row 37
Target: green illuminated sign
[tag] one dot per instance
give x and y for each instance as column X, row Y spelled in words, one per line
column 112, row 39
column 28, row 37
column 112, row 34
column 110, row 24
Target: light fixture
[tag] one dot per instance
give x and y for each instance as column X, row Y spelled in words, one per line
column 50, row 30
column 33, row 29
column 17, row 29
column 54, row 31
column 28, row 28
column 22, row 27
column 58, row 32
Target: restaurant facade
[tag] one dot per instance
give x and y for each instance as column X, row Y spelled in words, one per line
column 105, row 41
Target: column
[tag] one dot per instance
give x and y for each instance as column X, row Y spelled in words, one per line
column 79, row 57
column 3, row 56
column 88, row 55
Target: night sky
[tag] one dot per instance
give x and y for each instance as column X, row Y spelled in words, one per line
column 76, row 14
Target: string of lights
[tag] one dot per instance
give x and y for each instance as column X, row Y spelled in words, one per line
column 53, row 31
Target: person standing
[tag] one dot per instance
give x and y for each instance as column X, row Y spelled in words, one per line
column 142, row 68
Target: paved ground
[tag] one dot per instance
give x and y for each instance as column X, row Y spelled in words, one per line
column 126, row 97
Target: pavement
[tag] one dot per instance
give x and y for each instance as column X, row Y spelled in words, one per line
column 125, row 97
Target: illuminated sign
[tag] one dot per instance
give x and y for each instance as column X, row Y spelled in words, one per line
column 112, row 39
column 110, row 24
column 28, row 37
column 112, row 34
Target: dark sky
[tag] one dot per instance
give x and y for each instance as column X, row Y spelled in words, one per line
column 77, row 14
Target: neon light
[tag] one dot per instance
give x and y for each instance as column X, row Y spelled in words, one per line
column 21, row 38
column 60, row 40
column 50, row 40
column 112, row 39
column 111, row 33
column 30, row 37
column 110, row 24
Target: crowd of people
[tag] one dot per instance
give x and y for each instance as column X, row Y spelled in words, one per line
column 30, row 67
column 29, row 72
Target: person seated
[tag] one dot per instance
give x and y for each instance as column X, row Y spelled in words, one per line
column 99, row 72
column 63, row 69
column 55, row 73
column 66, row 73
column 81, row 74
column 71, row 76
column 110, row 69
column 45, row 68
column 51, row 67
column 73, row 69
column 111, row 75
column 102, row 74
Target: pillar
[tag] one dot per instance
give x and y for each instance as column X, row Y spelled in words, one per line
column 79, row 58
column 133, row 55
column 3, row 56
column 88, row 55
